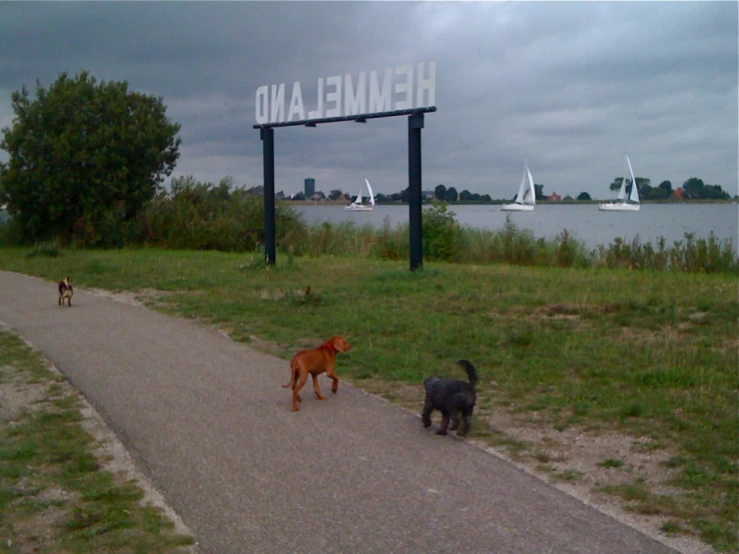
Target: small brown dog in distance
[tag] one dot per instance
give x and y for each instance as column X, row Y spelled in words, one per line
column 65, row 291
column 313, row 362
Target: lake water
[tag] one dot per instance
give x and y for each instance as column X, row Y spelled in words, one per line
column 584, row 221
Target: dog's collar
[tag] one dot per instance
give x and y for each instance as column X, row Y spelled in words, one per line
column 330, row 346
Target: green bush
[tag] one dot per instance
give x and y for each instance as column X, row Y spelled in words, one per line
column 441, row 232
column 47, row 249
column 207, row 216
column 709, row 255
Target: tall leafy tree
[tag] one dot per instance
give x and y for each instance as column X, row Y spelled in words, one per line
column 440, row 192
column 85, row 156
column 641, row 183
column 714, row 192
column 694, row 187
column 666, row 186
column 616, row 184
column 539, row 192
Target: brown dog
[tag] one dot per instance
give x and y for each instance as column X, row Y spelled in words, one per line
column 65, row 291
column 313, row 362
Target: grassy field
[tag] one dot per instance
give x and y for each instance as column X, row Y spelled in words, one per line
column 652, row 355
column 55, row 496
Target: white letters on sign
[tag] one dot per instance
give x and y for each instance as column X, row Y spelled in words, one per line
column 402, row 88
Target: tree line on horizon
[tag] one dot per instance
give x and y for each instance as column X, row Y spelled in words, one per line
column 692, row 189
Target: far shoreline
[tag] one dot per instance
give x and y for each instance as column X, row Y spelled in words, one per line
column 501, row 202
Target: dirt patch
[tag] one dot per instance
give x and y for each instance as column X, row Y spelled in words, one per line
column 404, row 394
column 560, row 311
column 581, row 463
column 139, row 298
column 574, row 460
column 666, row 334
column 123, row 297
column 37, row 531
column 267, row 346
column 17, row 397
column 602, row 458
column 279, row 294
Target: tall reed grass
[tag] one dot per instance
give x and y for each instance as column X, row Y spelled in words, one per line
column 209, row 216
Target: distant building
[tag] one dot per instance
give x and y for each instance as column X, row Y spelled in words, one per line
column 428, row 195
column 310, row 187
column 554, row 197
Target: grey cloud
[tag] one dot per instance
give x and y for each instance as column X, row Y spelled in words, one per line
column 570, row 86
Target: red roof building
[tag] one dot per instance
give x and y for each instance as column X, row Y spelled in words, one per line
column 678, row 194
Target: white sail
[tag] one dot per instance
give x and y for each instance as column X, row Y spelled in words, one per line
column 622, row 190
column 634, row 195
column 522, row 188
column 530, row 198
column 371, row 194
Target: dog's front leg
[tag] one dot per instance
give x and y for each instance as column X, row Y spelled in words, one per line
column 316, row 387
column 331, row 372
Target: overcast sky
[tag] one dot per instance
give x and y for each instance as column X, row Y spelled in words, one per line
column 568, row 86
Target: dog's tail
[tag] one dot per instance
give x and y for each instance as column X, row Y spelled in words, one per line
column 471, row 371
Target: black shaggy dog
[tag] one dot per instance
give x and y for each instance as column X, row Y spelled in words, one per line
column 453, row 398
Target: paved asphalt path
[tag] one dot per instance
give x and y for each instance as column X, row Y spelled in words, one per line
column 206, row 420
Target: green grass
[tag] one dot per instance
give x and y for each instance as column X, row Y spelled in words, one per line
column 54, row 495
column 647, row 353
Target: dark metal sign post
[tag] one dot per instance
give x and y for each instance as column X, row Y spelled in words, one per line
column 415, row 124
column 268, row 148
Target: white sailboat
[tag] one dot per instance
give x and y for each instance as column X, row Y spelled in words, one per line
column 624, row 204
column 526, row 197
column 357, row 205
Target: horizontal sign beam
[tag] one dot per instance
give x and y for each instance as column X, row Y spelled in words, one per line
column 358, row 118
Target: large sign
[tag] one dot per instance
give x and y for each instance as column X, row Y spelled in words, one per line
column 403, row 88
